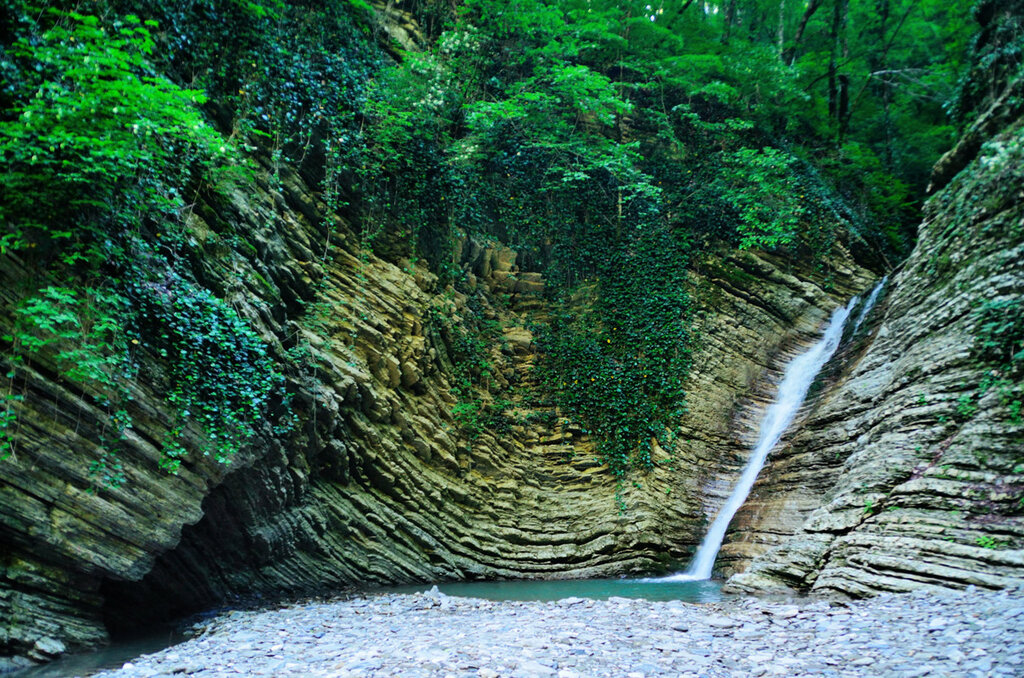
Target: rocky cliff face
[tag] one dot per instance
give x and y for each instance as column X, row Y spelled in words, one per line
column 386, row 488
column 910, row 472
column 906, row 469
column 378, row 482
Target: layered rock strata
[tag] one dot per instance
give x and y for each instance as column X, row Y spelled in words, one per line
column 911, row 471
column 379, row 482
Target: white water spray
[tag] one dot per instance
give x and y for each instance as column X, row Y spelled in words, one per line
column 869, row 304
column 796, row 381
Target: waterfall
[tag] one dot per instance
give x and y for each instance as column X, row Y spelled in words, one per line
column 869, row 304
column 792, row 390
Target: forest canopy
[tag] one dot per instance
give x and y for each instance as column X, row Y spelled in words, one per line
column 611, row 143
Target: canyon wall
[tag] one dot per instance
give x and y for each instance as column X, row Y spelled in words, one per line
column 377, row 482
column 910, row 472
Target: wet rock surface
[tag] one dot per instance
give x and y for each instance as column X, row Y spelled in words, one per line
column 939, row 633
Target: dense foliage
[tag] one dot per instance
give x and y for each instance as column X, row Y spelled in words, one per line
column 610, row 143
column 103, row 152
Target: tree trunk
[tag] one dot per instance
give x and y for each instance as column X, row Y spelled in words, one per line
column 730, row 18
column 843, row 114
column 782, row 28
column 790, row 54
column 880, row 65
column 839, row 49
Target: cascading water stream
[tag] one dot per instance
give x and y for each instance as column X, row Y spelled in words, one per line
column 796, row 381
column 869, row 304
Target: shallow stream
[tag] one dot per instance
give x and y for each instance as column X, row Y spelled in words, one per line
column 706, row 591
column 110, row 657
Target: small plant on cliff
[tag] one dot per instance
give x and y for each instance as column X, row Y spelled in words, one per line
column 989, row 542
column 8, row 418
column 999, row 341
column 966, row 407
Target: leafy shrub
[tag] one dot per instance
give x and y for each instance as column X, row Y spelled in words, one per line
column 82, row 326
column 999, row 341
column 94, row 133
column 761, row 186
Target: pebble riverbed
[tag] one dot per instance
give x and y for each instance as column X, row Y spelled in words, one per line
column 952, row 633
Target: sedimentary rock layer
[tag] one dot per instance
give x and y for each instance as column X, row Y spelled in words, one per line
column 378, row 482
column 911, row 471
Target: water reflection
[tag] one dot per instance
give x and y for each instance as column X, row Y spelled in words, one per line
column 111, row 657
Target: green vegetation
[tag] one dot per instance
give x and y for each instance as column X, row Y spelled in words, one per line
column 988, row 542
column 999, row 341
column 100, row 150
column 619, row 366
column 218, row 372
column 470, row 369
column 609, row 143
